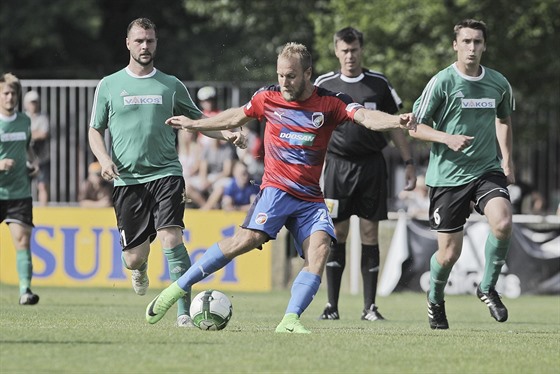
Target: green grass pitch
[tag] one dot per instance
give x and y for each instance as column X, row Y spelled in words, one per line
column 79, row 330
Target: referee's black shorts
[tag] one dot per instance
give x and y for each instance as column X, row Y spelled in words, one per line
column 356, row 187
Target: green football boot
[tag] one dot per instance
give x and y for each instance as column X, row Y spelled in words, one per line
column 161, row 304
column 292, row 325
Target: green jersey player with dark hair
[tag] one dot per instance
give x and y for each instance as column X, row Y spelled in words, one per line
column 465, row 112
column 149, row 195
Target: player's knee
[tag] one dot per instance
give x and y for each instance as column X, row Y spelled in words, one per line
column 502, row 228
column 134, row 262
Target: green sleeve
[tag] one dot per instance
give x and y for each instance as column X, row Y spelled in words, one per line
column 183, row 103
column 100, row 111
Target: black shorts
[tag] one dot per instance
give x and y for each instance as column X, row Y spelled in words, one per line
column 451, row 206
column 357, row 187
column 142, row 209
column 19, row 211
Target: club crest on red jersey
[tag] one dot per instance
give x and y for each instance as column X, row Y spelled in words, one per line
column 318, row 119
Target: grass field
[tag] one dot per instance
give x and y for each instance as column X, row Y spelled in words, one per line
column 103, row 331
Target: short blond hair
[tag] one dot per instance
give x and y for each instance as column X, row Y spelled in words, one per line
column 298, row 51
column 12, row 81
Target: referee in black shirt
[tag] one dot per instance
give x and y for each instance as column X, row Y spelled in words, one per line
column 355, row 174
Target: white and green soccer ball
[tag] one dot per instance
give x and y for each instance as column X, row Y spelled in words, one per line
column 211, row 310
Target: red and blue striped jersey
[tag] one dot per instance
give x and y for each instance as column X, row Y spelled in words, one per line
column 296, row 136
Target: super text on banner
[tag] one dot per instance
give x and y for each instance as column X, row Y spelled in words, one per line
column 77, row 247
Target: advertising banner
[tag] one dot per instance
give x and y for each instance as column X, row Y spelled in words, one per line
column 78, row 247
column 532, row 265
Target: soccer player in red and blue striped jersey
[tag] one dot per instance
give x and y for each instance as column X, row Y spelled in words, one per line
column 300, row 119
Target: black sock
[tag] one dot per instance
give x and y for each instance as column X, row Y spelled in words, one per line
column 335, row 267
column 370, row 271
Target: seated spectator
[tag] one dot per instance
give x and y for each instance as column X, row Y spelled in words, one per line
column 253, row 155
column 525, row 199
column 240, row 192
column 190, row 156
column 95, row 192
column 215, row 170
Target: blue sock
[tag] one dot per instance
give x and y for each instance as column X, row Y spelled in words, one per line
column 304, row 289
column 212, row 260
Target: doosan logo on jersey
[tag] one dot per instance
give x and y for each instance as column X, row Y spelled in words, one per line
column 297, row 136
column 478, row 103
column 143, row 100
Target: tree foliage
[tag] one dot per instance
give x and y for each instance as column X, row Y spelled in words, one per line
column 411, row 40
column 248, row 35
column 237, row 40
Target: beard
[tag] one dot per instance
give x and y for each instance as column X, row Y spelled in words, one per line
column 295, row 94
column 142, row 60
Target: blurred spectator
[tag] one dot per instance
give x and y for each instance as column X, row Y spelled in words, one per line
column 253, row 155
column 208, row 104
column 215, row 169
column 95, row 192
column 417, row 202
column 190, row 156
column 525, row 199
column 207, row 100
column 39, row 142
column 240, row 192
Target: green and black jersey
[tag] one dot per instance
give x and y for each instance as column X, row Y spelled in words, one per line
column 15, row 137
column 134, row 109
column 459, row 104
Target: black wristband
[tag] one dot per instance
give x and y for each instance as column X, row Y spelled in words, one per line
column 409, row 162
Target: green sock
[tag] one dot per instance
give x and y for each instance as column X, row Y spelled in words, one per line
column 24, row 269
column 179, row 262
column 141, row 268
column 495, row 252
column 438, row 280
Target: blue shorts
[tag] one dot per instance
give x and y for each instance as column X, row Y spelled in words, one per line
column 274, row 208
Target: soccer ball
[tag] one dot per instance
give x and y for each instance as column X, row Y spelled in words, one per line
column 211, row 310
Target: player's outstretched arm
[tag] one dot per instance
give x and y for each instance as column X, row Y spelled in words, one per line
column 455, row 142
column 381, row 121
column 228, row 119
column 236, row 138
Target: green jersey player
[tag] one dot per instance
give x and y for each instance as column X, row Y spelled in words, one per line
column 149, row 194
column 16, row 205
column 465, row 112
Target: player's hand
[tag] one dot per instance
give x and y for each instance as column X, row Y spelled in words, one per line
column 32, row 169
column 509, row 173
column 458, row 142
column 408, row 121
column 7, row 164
column 410, row 178
column 109, row 171
column 180, row 122
column 236, row 138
